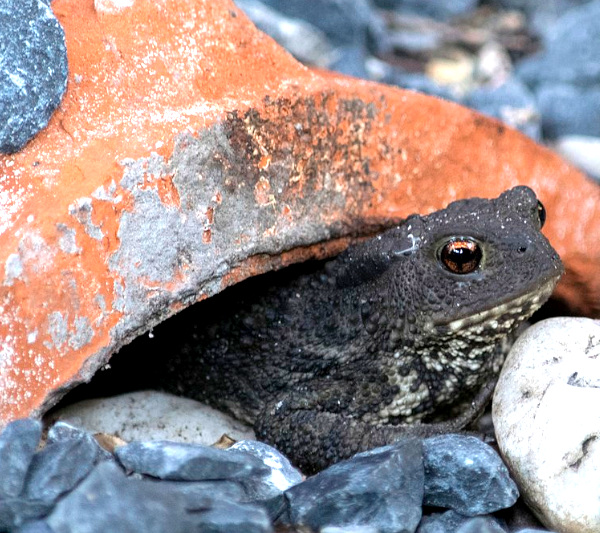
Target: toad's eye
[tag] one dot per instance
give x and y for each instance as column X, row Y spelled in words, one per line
column 461, row 255
column 541, row 213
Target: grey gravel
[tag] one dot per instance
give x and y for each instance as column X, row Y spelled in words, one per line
column 188, row 462
column 381, row 488
column 465, row 474
column 18, row 443
column 33, row 70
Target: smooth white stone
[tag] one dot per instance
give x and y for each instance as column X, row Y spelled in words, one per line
column 546, row 412
column 151, row 415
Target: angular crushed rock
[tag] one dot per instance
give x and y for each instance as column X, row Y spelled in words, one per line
column 188, row 462
column 33, row 70
column 465, row 474
column 382, row 488
column 18, row 443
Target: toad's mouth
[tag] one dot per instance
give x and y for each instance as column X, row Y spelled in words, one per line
column 515, row 310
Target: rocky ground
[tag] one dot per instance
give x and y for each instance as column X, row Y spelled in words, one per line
column 535, row 66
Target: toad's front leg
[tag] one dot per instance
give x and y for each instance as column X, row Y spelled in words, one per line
column 314, row 437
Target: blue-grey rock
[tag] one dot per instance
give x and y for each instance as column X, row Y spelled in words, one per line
column 304, row 41
column 109, row 501
column 15, row 512
column 349, row 529
column 437, row 9
column 541, row 14
column 447, row 522
column 481, row 524
column 18, row 443
column 198, row 495
column 59, row 466
column 345, row 23
column 38, row 526
column 417, row 82
column 230, row 517
column 570, row 53
column 569, row 110
column 464, row 474
column 268, row 489
column 512, row 103
column 33, row 70
column 350, row 60
column 188, row 462
column 62, row 431
column 382, row 488
column 453, row 522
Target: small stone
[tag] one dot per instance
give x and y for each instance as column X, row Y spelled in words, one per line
column 229, row 517
column 350, row 60
column 188, row 462
column 570, row 52
column 198, row 495
column 438, row 9
column 481, row 524
column 583, row 151
column 382, row 488
column 61, row 432
column 268, row 489
column 466, row 475
column 344, row 23
column 14, row 512
column 59, row 466
column 18, row 443
column 547, row 426
column 447, row 522
column 349, row 529
column 513, row 103
column 38, row 526
column 109, row 501
column 305, row 42
column 569, row 110
column 151, row 415
column 33, row 72
column 453, row 522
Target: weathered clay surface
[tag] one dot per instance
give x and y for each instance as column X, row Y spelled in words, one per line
column 190, row 152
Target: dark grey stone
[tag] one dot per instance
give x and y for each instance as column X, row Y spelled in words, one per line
column 14, row 512
column 62, row 431
column 304, row 41
column 568, row 110
column 109, row 501
column 188, row 462
column 541, row 14
column 350, row 60
column 464, row 474
column 447, row 522
column 417, row 82
column 18, row 443
column 33, row 70
column 229, row 517
column 438, row 9
column 512, row 103
column 571, row 52
column 381, row 488
column 481, row 524
column 39, row 526
column 198, row 495
column 344, row 23
column 58, row 467
column 267, row 489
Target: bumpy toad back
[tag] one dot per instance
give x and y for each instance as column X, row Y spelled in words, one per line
column 365, row 348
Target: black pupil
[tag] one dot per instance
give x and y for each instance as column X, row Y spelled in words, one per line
column 541, row 213
column 461, row 256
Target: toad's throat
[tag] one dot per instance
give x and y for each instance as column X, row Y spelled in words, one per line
column 522, row 306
